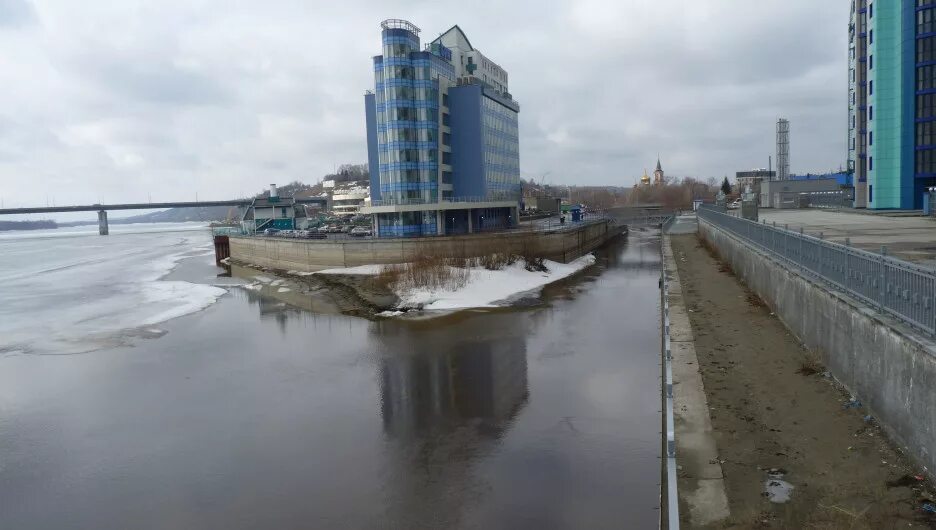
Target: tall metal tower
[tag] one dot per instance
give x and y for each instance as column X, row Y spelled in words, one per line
column 783, row 149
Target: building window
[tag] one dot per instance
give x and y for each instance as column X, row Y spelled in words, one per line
column 870, row 62
column 926, row 49
column 871, row 87
column 870, row 163
column 870, row 137
column 446, row 138
column 871, row 37
column 926, row 106
column 870, row 112
column 870, row 10
column 870, row 193
column 925, row 21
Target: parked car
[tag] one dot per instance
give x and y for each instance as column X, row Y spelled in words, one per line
column 735, row 204
column 346, row 228
column 334, row 229
column 270, row 232
column 315, row 234
column 322, row 229
column 360, row 231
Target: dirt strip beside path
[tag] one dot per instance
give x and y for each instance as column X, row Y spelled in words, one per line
column 774, row 410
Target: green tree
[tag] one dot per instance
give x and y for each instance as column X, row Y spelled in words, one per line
column 726, row 186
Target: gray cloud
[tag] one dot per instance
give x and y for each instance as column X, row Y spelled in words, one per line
column 16, row 13
column 130, row 100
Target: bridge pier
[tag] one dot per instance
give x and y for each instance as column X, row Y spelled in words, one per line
column 102, row 222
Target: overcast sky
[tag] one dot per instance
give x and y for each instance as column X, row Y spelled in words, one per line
column 104, row 100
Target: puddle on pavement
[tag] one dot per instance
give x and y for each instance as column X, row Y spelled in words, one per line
column 776, row 489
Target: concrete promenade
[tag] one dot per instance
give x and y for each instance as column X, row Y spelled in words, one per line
column 700, row 481
column 909, row 238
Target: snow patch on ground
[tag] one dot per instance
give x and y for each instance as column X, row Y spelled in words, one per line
column 487, row 288
column 284, row 290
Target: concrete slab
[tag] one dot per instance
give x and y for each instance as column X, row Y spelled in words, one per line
column 701, row 481
column 909, row 238
column 684, row 224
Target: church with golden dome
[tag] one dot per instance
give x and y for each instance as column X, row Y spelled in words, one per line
column 658, row 177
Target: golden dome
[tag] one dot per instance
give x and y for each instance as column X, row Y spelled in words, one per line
column 645, row 179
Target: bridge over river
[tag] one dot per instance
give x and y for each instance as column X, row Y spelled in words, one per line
column 102, row 209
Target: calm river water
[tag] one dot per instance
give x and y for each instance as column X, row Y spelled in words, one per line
column 254, row 414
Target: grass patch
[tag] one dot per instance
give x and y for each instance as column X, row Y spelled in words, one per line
column 810, row 367
column 438, row 273
column 754, row 301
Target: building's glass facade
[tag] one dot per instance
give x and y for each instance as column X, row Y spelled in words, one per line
column 407, row 99
column 925, row 119
column 435, row 138
column 501, row 151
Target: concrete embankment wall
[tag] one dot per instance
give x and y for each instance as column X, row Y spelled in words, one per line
column 313, row 255
column 889, row 367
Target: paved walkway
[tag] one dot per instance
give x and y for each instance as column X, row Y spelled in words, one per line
column 909, row 238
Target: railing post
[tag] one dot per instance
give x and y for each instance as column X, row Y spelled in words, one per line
column 848, row 276
column 883, row 290
column 821, row 244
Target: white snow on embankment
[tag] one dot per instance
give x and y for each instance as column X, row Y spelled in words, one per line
column 488, row 288
column 485, row 288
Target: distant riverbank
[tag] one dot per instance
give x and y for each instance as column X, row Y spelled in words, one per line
column 43, row 224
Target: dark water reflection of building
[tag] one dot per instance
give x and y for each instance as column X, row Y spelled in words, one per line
column 428, row 391
column 445, row 403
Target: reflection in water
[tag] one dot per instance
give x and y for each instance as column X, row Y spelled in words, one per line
column 257, row 414
column 445, row 402
column 423, row 393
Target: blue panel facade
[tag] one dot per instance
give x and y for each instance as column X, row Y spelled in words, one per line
column 501, row 150
column 467, row 147
column 921, row 23
column 908, row 110
column 373, row 158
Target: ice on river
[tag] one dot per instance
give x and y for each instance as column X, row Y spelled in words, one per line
column 71, row 290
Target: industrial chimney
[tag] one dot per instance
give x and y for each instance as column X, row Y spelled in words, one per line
column 273, row 193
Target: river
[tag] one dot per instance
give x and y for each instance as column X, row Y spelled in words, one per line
column 247, row 412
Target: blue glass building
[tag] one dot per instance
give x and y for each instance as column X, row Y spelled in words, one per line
column 892, row 101
column 442, row 137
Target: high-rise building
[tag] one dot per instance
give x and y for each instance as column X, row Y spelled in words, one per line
column 892, row 101
column 442, row 137
column 857, row 140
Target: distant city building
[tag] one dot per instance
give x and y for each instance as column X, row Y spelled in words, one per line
column 658, row 177
column 349, row 200
column 442, row 137
column 892, row 102
column 753, row 178
column 273, row 211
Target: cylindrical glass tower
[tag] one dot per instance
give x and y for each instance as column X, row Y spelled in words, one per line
column 407, row 117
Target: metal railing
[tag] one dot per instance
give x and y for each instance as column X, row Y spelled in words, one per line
column 899, row 288
column 669, row 469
